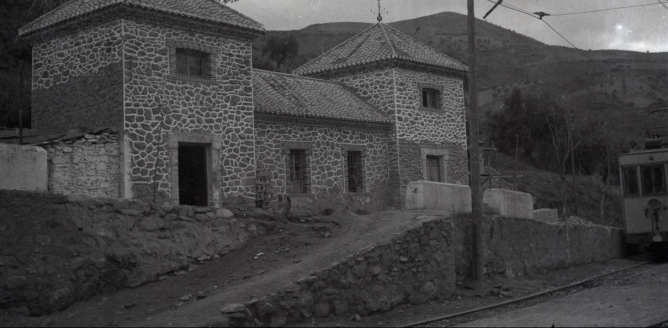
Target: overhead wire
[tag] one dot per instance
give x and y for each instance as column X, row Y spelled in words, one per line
column 608, row 9
column 511, row 7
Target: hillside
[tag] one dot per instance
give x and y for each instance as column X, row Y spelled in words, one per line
column 626, row 82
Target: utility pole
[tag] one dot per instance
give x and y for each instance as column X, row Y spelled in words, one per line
column 474, row 151
column 20, row 102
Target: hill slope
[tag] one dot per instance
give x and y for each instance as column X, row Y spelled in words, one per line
column 625, row 81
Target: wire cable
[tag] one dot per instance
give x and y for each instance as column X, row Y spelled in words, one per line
column 608, row 9
column 515, row 9
column 566, row 39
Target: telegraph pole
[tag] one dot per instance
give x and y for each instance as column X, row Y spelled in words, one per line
column 474, row 151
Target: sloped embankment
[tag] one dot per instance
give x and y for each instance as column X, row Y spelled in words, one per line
column 375, row 263
column 56, row 250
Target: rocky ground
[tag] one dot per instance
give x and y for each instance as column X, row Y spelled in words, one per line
column 286, row 243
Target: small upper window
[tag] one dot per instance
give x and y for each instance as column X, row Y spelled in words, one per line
column 190, row 62
column 630, row 176
column 653, row 180
column 431, row 98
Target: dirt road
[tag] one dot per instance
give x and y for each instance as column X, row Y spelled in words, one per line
column 639, row 302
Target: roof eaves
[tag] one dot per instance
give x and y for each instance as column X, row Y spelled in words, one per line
column 38, row 24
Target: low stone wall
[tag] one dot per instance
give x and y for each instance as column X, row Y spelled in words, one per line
column 508, row 203
column 90, row 165
column 415, row 267
column 57, row 249
column 517, row 247
column 428, row 195
column 22, row 168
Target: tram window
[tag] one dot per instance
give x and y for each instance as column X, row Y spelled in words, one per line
column 653, row 180
column 630, row 181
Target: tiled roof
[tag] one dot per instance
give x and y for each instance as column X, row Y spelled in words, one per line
column 378, row 43
column 285, row 94
column 208, row 10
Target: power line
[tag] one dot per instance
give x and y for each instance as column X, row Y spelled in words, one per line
column 663, row 4
column 562, row 36
column 515, row 9
column 608, row 9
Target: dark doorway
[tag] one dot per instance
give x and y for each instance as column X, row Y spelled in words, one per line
column 192, row 175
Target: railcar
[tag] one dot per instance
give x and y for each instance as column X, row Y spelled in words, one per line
column 645, row 191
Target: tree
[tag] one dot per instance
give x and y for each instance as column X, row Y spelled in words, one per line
column 281, row 50
column 521, row 121
column 572, row 126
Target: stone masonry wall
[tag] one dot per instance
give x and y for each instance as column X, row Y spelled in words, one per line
column 57, row 249
column 419, row 129
column 377, row 88
column 518, row 247
column 415, row 267
column 397, row 92
column 77, row 80
column 220, row 105
column 326, row 162
column 90, row 166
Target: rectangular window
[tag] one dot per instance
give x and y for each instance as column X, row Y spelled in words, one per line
column 630, row 176
column 355, row 178
column 431, row 98
column 434, row 168
column 190, row 62
column 653, row 180
column 296, row 174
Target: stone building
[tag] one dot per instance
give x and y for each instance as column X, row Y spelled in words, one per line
column 196, row 125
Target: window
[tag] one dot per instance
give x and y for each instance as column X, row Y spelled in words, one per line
column 434, row 168
column 355, row 172
column 431, row 98
column 296, row 173
column 190, row 62
column 653, row 180
column 630, row 177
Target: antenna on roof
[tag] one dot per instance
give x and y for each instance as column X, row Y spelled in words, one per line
column 380, row 11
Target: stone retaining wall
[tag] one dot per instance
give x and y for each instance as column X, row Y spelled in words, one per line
column 90, row 165
column 415, row 267
column 517, row 247
column 56, row 249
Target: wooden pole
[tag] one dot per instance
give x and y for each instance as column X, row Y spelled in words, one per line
column 474, row 151
column 20, row 102
column 517, row 149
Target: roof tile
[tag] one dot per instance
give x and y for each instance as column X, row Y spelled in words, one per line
column 380, row 42
column 285, row 94
column 208, row 10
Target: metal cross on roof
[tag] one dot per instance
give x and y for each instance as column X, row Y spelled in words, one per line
column 380, row 18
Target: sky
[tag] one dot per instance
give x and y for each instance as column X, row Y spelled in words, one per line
column 643, row 28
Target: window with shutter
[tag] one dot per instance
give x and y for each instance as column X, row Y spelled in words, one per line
column 190, row 62
column 434, row 168
column 431, row 98
column 296, row 174
column 355, row 178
